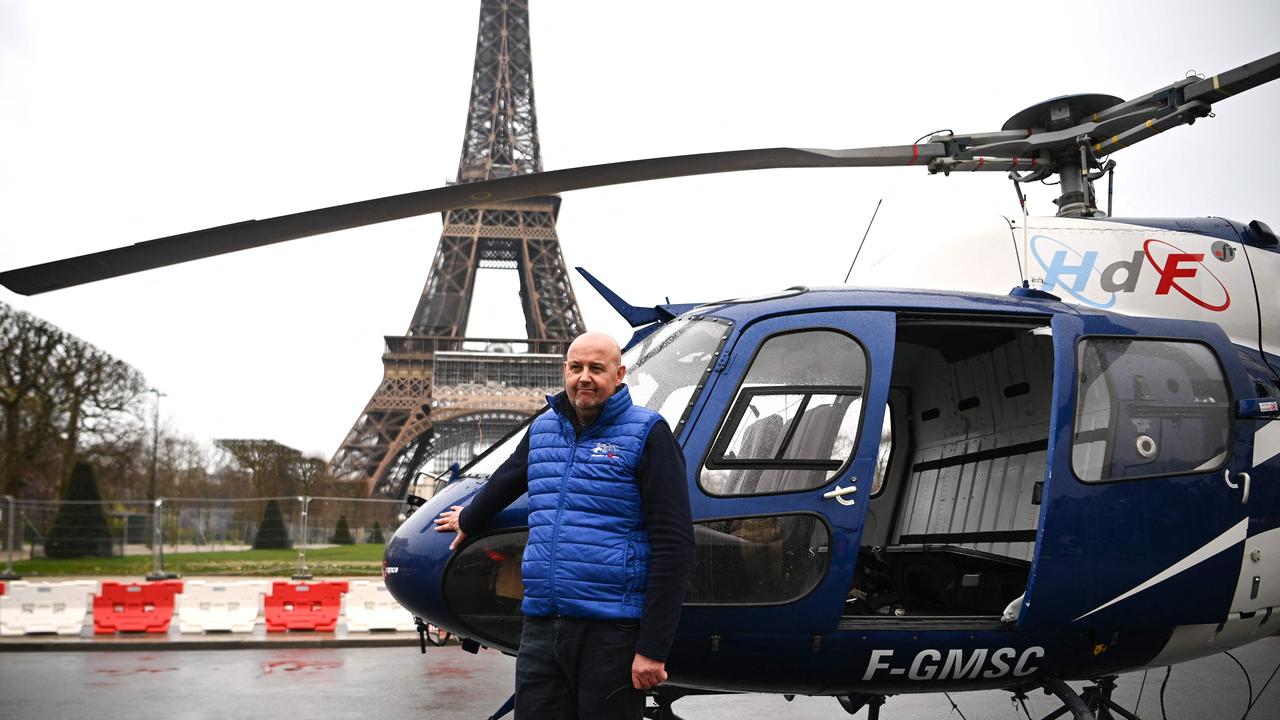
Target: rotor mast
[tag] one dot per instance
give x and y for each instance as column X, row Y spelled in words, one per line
column 1076, row 167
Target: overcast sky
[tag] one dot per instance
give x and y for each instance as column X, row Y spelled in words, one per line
column 126, row 121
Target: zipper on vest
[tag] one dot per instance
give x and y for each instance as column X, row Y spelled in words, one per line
column 555, row 533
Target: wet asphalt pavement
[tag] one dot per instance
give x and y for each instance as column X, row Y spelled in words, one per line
column 448, row 684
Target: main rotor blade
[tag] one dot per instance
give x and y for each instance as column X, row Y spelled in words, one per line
column 256, row 233
column 1236, row 80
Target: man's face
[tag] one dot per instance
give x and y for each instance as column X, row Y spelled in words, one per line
column 592, row 372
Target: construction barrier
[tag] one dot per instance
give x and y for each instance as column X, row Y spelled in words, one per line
column 304, row 606
column 60, row 607
column 134, row 607
column 206, row 606
column 370, row 607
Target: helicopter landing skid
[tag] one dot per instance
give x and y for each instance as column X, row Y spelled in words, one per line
column 855, row 702
column 664, row 697
column 1094, row 704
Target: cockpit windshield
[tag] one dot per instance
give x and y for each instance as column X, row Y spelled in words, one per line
column 664, row 373
column 666, row 369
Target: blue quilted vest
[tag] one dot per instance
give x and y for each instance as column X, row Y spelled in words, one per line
column 588, row 551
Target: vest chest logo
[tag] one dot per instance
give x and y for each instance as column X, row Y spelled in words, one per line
column 605, row 451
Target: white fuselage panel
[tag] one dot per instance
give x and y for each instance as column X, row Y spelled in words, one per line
column 1128, row 269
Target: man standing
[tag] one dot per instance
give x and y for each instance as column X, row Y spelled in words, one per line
column 610, row 543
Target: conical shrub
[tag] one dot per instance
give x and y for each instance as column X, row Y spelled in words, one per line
column 342, row 533
column 272, row 534
column 80, row 528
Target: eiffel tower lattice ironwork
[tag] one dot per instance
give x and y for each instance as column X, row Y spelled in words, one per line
column 443, row 395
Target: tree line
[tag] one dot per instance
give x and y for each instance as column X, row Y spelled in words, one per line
column 63, row 400
column 76, row 425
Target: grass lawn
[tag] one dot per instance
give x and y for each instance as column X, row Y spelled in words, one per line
column 339, row 560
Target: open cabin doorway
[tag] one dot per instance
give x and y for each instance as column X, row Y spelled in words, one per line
column 950, row 531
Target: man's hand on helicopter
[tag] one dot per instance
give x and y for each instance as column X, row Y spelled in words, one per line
column 647, row 673
column 447, row 521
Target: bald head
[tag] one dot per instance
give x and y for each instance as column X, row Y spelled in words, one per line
column 596, row 341
column 592, row 373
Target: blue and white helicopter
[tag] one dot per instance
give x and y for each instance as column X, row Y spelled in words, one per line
column 912, row 491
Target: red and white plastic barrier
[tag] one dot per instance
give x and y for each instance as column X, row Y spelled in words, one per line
column 29, row 608
column 304, row 606
column 370, row 607
column 207, row 606
column 200, row 606
column 134, row 607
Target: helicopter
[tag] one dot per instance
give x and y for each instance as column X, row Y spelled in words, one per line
column 900, row 491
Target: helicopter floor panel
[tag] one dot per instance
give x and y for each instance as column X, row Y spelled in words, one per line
column 933, row 582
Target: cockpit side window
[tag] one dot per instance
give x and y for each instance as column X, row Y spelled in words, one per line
column 795, row 420
column 1148, row 407
column 665, row 373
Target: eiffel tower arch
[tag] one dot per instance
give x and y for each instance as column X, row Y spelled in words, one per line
column 444, row 395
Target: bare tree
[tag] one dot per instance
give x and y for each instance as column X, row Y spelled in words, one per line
column 184, row 464
column 59, row 394
column 313, row 475
column 26, row 346
column 274, row 467
column 99, row 397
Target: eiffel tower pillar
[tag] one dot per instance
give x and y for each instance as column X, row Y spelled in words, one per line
column 444, row 395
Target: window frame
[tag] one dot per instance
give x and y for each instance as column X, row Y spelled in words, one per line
column 738, row 391
column 703, row 380
column 717, row 461
column 893, row 454
column 1229, row 403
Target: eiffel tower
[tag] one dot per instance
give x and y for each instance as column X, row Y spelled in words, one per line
column 444, row 396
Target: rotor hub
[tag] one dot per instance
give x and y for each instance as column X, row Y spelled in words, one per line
column 1060, row 112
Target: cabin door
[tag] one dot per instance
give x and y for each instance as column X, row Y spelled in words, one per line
column 1144, row 515
column 783, row 454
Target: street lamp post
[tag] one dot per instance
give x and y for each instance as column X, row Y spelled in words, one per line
column 157, row 537
column 301, row 571
column 157, row 544
column 155, row 443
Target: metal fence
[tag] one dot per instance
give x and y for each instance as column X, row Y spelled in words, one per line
column 192, row 524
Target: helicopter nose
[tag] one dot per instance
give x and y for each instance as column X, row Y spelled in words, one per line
column 414, row 563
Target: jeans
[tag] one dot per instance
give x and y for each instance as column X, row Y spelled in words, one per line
column 570, row 668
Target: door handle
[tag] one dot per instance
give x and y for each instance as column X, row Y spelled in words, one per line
column 1226, row 477
column 838, row 494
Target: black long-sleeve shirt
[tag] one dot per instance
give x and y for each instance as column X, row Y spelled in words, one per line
column 665, row 500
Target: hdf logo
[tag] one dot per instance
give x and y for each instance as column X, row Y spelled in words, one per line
column 1078, row 275
column 605, row 450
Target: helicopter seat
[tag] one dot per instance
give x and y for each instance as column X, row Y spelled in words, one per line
column 761, row 440
column 814, row 439
column 979, row 494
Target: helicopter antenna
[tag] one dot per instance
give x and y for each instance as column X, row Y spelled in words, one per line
column 1022, row 202
column 864, row 240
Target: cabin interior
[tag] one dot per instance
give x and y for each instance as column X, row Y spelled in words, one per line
column 951, row 527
